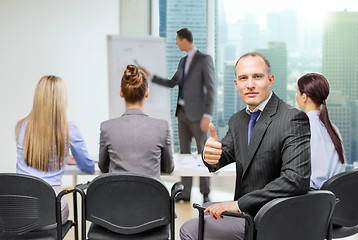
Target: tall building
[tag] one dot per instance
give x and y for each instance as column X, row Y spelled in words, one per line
column 276, row 53
column 340, row 61
column 191, row 14
column 250, row 33
column 282, row 27
column 232, row 101
column 340, row 52
column 229, row 91
column 163, row 18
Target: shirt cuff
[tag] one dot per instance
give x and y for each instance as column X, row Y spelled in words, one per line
column 238, row 206
column 207, row 115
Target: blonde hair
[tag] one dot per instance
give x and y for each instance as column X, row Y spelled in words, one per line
column 46, row 133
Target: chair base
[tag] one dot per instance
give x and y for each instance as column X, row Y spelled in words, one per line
column 342, row 232
column 97, row 232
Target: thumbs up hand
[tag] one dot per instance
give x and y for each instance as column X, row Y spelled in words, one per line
column 212, row 149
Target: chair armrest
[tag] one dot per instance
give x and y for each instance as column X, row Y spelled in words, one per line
column 176, row 189
column 249, row 222
column 59, row 213
column 80, row 188
column 231, row 214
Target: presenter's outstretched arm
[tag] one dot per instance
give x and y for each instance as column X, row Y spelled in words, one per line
column 146, row 72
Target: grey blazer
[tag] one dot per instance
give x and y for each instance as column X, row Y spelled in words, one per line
column 276, row 163
column 198, row 86
column 135, row 143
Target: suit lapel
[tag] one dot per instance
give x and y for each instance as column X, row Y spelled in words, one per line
column 242, row 126
column 260, row 130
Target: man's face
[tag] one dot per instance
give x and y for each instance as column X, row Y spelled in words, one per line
column 180, row 43
column 252, row 81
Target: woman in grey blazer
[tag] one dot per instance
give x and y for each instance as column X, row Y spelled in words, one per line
column 135, row 142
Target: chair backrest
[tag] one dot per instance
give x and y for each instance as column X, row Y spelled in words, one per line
column 127, row 203
column 345, row 186
column 26, row 203
column 300, row 217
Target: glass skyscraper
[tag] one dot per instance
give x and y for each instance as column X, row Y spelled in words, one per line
column 191, row 14
column 340, row 61
column 276, row 53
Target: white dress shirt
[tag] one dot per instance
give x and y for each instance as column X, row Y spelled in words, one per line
column 260, row 107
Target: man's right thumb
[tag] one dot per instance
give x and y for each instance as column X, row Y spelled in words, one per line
column 212, row 130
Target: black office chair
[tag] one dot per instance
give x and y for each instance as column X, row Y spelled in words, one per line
column 295, row 218
column 29, row 209
column 345, row 216
column 128, row 206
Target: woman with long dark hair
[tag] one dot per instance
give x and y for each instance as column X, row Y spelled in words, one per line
column 327, row 155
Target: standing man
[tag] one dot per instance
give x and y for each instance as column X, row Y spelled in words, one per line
column 195, row 78
column 269, row 142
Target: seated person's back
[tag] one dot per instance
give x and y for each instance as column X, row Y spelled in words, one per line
column 135, row 142
column 327, row 155
column 45, row 136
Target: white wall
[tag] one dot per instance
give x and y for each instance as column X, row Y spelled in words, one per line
column 135, row 17
column 61, row 37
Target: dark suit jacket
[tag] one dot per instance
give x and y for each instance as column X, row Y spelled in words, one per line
column 276, row 163
column 136, row 143
column 198, row 86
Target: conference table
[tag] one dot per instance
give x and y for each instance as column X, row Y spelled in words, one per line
column 185, row 165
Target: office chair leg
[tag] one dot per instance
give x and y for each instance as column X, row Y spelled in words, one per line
column 201, row 226
column 75, row 215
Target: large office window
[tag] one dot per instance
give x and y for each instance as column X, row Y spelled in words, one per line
column 297, row 37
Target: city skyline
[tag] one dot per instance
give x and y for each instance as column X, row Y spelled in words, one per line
column 192, row 15
column 340, row 58
column 299, row 47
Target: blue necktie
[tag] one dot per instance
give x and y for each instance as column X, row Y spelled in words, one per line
column 253, row 117
column 181, row 87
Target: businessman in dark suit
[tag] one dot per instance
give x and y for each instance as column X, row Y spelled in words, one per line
column 195, row 78
column 269, row 142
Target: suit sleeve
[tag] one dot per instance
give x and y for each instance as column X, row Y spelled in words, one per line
column 167, row 163
column 103, row 163
column 295, row 173
column 166, row 82
column 209, row 76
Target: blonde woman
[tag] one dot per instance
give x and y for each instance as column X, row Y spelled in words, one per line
column 45, row 136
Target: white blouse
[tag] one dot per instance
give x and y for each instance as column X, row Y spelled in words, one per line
column 324, row 157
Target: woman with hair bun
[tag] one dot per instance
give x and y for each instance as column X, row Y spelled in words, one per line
column 327, row 155
column 134, row 142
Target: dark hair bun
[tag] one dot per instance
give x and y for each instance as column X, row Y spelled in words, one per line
column 134, row 84
column 132, row 76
